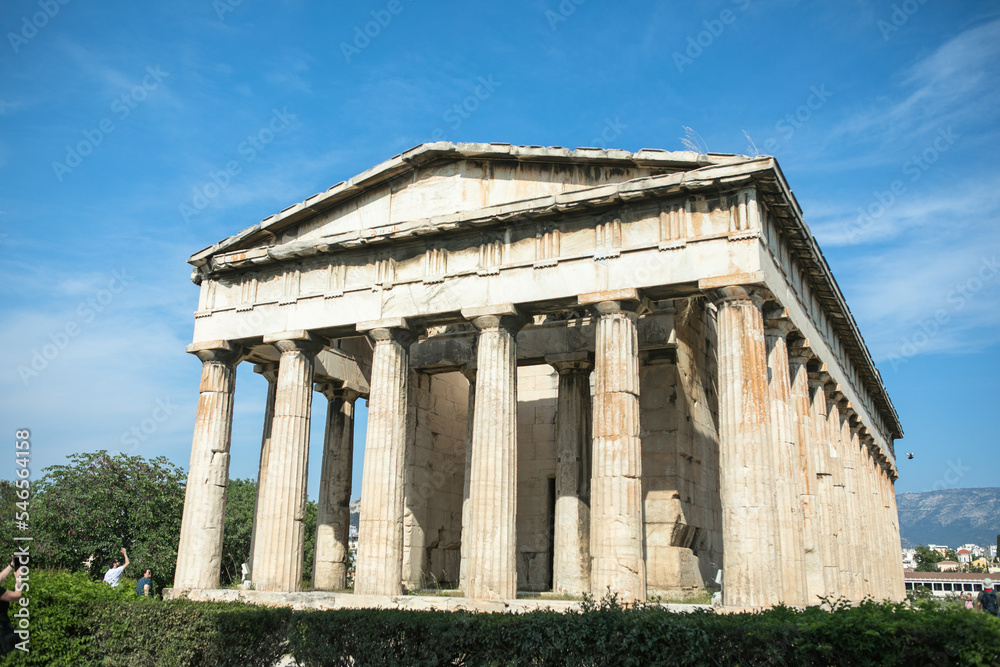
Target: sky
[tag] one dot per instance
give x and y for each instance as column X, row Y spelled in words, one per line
column 133, row 135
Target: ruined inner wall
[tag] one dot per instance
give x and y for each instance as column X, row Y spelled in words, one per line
column 536, row 470
column 680, row 465
column 435, row 473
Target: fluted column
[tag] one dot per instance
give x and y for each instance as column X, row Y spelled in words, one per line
column 333, row 510
column 899, row 583
column 841, row 516
column 852, row 526
column 824, row 482
column 470, row 374
column 199, row 554
column 785, row 464
column 270, row 373
column 617, row 563
column 799, row 356
column 281, row 516
column 380, row 532
column 571, row 542
column 490, row 534
column 746, row 479
column 865, row 519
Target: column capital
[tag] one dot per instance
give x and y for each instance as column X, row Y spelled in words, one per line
column 396, row 329
column 571, row 362
column 269, row 371
column 335, row 389
column 298, row 340
column 834, row 393
column 627, row 300
column 500, row 316
column 778, row 326
column 222, row 351
column 738, row 295
column 819, row 377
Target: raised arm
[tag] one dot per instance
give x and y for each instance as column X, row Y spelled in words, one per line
column 10, row 596
column 125, row 553
column 4, row 573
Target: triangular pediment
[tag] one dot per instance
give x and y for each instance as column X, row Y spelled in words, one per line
column 440, row 179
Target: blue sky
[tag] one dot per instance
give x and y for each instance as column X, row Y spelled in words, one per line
column 132, row 136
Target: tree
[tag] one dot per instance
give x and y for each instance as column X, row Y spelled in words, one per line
column 241, row 498
column 98, row 503
column 927, row 558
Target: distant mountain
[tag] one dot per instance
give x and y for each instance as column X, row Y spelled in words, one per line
column 950, row 516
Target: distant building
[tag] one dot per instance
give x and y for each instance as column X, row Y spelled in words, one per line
column 974, row 549
column 909, row 559
column 940, row 548
column 964, row 556
column 947, row 565
column 945, row 583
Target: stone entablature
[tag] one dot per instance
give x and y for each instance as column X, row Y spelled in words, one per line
column 468, row 262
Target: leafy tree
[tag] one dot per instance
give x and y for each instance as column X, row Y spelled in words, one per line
column 949, row 554
column 241, row 498
column 85, row 511
column 927, row 558
column 8, row 529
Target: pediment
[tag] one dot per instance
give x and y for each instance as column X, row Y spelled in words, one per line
column 441, row 179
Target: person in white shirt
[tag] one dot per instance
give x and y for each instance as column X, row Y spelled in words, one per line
column 115, row 573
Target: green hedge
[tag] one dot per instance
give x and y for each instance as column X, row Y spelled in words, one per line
column 75, row 621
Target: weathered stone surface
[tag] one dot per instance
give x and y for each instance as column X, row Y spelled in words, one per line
column 706, row 444
column 280, row 523
column 200, row 550
column 380, row 530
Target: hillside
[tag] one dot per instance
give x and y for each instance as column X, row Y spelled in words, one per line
column 950, row 516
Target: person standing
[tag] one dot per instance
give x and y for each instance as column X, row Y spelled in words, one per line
column 145, row 585
column 987, row 600
column 115, row 573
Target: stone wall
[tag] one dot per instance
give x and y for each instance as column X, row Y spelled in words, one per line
column 536, row 470
column 432, row 519
column 680, row 458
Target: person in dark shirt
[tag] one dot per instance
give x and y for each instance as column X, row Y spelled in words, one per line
column 145, row 585
column 7, row 636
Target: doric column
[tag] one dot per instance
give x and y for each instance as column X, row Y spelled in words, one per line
column 281, row 515
column 824, row 481
column 786, row 463
column 469, row 372
column 617, row 563
column 899, row 583
column 333, row 510
column 490, row 534
column 746, row 479
column 571, row 542
column 852, row 527
column 379, row 567
column 270, row 373
column 199, row 554
column 799, row 357
column 865, row 518
column 841, row 516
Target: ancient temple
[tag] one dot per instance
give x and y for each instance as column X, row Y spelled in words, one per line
column 586, row 371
